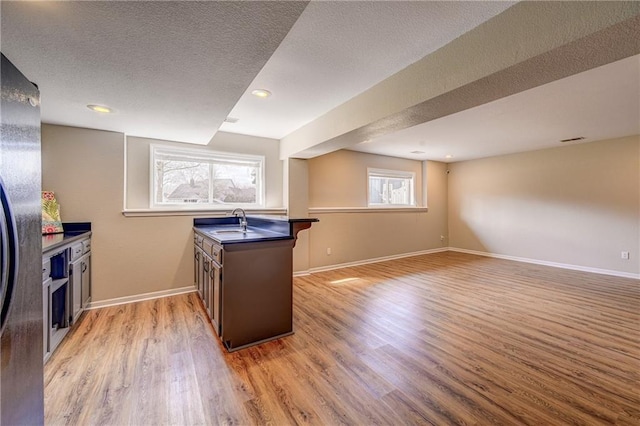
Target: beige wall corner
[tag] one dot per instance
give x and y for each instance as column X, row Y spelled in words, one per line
column 339, row 180
column 137, row 196
column 575, row 205
column 131, row 255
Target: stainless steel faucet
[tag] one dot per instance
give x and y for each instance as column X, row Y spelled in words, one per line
column 243, row 220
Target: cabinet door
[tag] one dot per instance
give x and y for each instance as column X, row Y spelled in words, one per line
column 46, row 318
column 215, row 298
column 200, row 272
column 86, row 281
column 204, row 292
column 76, row 285
column 196, row 267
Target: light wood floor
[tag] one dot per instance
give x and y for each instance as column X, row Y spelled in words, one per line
column 440, row 339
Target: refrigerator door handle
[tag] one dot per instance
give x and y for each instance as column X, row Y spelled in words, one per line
column 9, row 255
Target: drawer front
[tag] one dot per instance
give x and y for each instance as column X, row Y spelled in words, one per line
column 198, row 240
column 216, row 254
column 207, row 246
column 46, row 268
column 213, row 250
column 86, row 246
column 76, row 251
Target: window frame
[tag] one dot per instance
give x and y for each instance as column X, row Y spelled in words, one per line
column 371, row 171
column 204, row 155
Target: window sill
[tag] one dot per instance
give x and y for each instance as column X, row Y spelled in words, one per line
column 198, row 212
column 368, row 209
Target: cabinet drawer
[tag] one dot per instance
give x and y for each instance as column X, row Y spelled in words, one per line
column 197, row 240
column 216, row 254
column 207, row 246
column 213, row 250
column 86, row 246
column 76, row 251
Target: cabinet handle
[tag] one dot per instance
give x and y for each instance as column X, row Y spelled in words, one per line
column 84, row 267
column 198, row 255
column 211, row 271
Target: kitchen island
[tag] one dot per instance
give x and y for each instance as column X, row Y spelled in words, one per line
column 243, row 270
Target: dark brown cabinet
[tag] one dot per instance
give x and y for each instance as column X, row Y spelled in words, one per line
column 246, row 289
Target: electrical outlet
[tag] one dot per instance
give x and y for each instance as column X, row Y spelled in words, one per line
column 441, row 237
column 624, row 255
column 328, row 251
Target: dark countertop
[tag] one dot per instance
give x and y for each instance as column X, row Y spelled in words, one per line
column 259, row 227
column 74, row 231
column 253, row 234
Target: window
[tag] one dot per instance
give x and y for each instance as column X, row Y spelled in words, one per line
column 391, row 188
column 205, row 178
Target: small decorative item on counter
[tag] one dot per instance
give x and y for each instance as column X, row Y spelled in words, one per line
column 51, row 223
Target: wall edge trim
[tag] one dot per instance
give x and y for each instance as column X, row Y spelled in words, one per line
column 548, row 263
column 140, row 297
column 200, row 212
column 367, row 210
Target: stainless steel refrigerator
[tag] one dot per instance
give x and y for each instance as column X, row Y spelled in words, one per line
column 21, row 377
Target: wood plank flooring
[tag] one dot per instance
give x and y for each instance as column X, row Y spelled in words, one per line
column 440, row 339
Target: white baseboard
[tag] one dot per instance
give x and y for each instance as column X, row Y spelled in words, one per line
column 477, row 253
column 140, row 297
column 552, row 264
column 368, row 261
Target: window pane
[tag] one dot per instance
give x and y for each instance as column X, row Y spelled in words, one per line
column 398, row 191
column 235, row 183
column 181, row 182
column 376, row 190
column 390, row 188
column 188, row 176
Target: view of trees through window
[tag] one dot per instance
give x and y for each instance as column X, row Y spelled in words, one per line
column 206, row 180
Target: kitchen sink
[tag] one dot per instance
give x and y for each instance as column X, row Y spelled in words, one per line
column 233, row 231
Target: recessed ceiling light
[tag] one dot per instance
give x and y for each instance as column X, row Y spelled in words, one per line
column 261, row 93
column 100, row 108
column 579, row 138
column 231, row 120
column 417, row 152
column 448, row 156
column 367, row 141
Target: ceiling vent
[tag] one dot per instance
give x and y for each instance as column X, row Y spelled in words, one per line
column 231, row 120
column 572, row 139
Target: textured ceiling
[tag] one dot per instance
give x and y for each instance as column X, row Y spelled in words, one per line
column 337, row 50
column 175, row 69
column 171, row 70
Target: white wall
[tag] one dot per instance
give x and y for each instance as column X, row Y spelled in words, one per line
column 577, row 205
